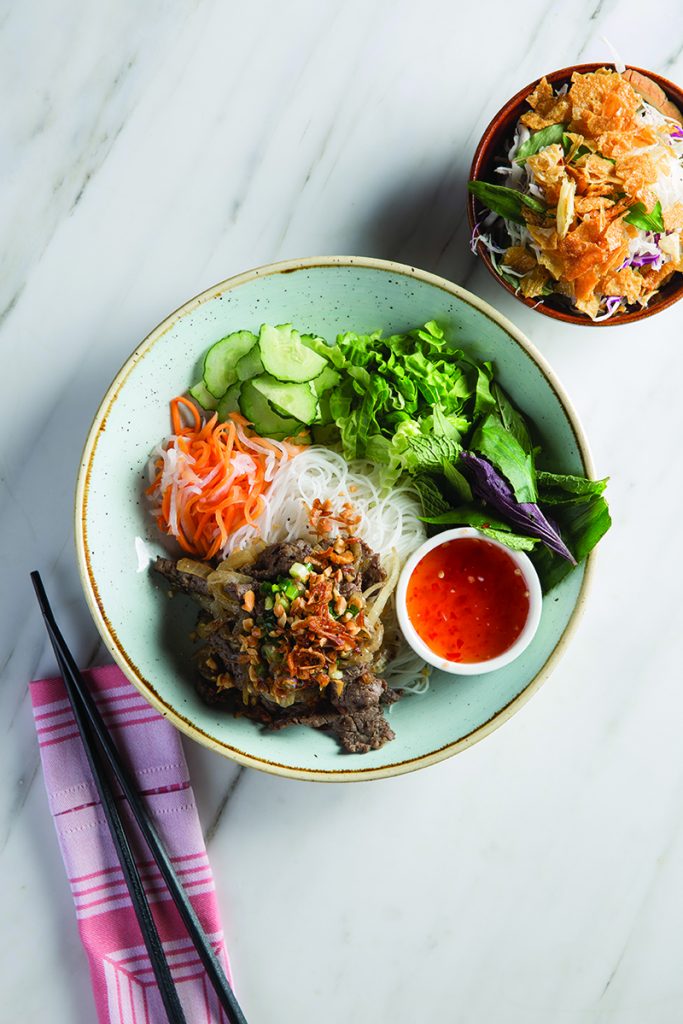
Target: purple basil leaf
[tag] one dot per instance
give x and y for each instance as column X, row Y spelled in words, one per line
column 491, row 487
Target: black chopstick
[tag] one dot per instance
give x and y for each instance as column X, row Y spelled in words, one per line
column 162, row 972
column 97, row 740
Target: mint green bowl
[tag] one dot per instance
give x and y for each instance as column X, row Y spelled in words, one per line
column 148, row 635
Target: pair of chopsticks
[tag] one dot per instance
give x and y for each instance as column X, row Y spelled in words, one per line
column 100, row 751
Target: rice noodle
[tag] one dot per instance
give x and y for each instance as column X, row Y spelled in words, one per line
column 389, row 524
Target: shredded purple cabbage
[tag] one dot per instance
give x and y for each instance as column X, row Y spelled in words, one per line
column 677, row 133
column 474, row 237
column 645, row 259
column 489, row 485
column 611, row 305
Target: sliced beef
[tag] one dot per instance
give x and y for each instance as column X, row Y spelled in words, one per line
column 361, row 725
column 210, row 693
column 185, row 581
column 355, row 717
column 363, row 692
column 353, row 670
column 236, row 589
column 363, row 730
column 277, row 559
column 220, row 654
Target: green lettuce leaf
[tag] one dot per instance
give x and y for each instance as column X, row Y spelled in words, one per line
column 484, row 401
column 321, row 347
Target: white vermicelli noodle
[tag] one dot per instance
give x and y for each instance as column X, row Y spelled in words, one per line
column 389, row 522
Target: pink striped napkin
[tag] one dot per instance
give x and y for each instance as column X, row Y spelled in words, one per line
column 122, row 979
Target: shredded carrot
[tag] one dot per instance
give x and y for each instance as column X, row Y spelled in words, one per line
column 212, row 479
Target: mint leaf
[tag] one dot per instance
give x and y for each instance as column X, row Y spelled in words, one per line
column 432, row 500
column 429, row 453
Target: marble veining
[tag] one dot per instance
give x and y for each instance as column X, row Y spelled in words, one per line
column 148, row 151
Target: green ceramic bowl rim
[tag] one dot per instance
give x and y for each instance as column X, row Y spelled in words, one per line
column 108, row 632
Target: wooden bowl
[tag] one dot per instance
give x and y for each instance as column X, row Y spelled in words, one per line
column 495, row 142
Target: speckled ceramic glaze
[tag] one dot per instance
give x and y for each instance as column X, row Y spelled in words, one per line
column 148, row 635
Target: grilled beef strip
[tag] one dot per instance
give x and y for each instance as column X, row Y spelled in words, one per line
column 355, row 715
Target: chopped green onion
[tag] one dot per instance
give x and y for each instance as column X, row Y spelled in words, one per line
column 299, row 571
column 291, row 590
column 268, row 603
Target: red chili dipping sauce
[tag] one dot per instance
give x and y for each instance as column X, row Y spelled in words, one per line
column 467, row 600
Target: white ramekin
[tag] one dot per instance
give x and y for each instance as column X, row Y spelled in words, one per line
column 530, row 575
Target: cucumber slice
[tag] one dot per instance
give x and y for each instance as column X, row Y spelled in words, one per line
column 295, row 400
column 250, row 365
column 230, row 402
column 325, row 380
column 201, row 394
column 222, row 358
column 285, row 357
column 261, row 414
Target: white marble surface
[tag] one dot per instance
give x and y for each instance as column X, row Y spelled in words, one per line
column 149, row 150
